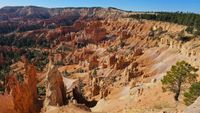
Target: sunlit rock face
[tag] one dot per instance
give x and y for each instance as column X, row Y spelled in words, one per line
column 95, row 31
column 110, row 63
column 55, row 91
column 21, row 94
column 93, row 63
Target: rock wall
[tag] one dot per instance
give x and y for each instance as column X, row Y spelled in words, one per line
column 95, row 31
column 55, row 89
column 93, row 62
column 20, row 96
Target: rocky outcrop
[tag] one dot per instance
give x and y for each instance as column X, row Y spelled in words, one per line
column 99, row 87
column 112, row 60
column 57, row 58
column 71, row 108
column 65, row 30
column 132, row 71
column 21, row 93
column 55, row 90
column 121, row 63
column 79, row 25
column 95, row 90
column 103, row 89
column 194, row 108
column 95, row 32
column 125, row 34
column 52, row 34
column 93, row 62
column 71, row 59
column 138, row 52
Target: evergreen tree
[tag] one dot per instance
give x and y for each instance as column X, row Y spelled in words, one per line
column 176, row 78
column 189, row 19
column 192, row 94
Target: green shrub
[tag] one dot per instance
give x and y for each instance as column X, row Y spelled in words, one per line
column 190, row 29
column 192, row 94
column 80, row 70
column 65, row 73
column 2, row 89
column 20, row 77
column 41, row 90
column 59, row 63
column 94, row 73
column 184, row 38
column 112, row 49
column 197, row 32
column 122, row 44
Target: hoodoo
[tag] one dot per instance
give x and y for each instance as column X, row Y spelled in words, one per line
column 86, row 60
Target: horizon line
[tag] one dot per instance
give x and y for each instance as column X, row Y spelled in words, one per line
column 62, row 7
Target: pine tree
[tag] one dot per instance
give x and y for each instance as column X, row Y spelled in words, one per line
column 189, row 19
column 192, row 94
column 176, row 78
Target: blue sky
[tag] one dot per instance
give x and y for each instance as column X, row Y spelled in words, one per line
column 133, row 5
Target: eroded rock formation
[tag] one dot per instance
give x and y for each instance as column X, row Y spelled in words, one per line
column 55, row 89
column 95, row 31
column 21, row 93
column 93, row 62
column 121, row 63
column 122, row 51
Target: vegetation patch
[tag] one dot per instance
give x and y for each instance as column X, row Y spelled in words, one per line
column 192, row 94
column 190, row 19
column 180, row 74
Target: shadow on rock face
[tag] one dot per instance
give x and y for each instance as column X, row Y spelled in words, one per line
column 81, row 99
